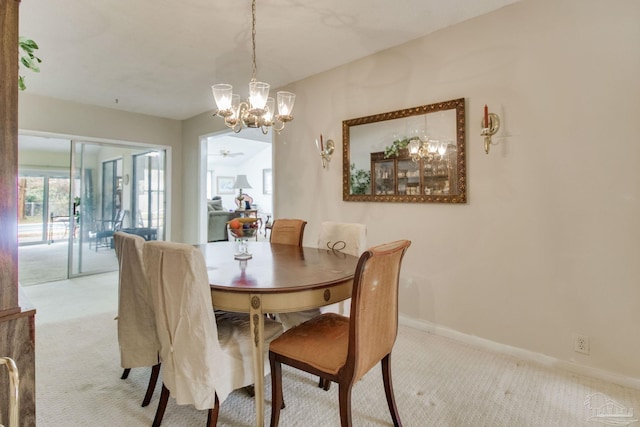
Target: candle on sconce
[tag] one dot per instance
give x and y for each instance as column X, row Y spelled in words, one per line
column 486, row 116
column 321, row 143
column 490, row 126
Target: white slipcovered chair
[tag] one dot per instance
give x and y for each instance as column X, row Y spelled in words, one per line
column 346, row 237
column 203, row 360
column 139, row 345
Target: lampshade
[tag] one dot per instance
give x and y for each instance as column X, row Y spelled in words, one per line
column 258, row 94
column 285, row 103
column 222, row 94
column 241, row 182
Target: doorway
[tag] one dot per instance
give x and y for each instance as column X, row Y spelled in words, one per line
column 225, row 155
column 44, row 221
column 70, row 192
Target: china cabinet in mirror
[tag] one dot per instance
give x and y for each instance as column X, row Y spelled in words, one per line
column 411, row 155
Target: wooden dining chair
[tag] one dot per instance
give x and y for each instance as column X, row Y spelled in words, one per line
column 290, row 232
column 139, row 345
column 343, row 349
column 287, row 231
column 204, row 357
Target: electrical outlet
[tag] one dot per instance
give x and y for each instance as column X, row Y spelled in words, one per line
column 581, row 344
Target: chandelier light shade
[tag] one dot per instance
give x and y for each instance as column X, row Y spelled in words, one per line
column 259, row 109
column 427, row 148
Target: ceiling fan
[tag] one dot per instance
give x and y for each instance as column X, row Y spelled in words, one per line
column 228, row 153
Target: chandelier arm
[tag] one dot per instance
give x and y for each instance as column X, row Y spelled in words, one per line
column 277, row 128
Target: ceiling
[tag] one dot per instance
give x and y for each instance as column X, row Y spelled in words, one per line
column 160, row 57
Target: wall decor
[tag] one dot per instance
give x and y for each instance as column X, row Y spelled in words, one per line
column 224, row 185
column 415, row 155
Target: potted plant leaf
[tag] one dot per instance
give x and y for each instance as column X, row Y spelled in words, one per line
column 26, row 48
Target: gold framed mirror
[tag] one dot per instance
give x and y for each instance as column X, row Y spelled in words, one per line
column 415, row 155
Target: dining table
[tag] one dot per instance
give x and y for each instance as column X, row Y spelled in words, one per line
column 276, row 279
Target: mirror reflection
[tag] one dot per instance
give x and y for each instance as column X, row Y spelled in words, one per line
column 411, row 155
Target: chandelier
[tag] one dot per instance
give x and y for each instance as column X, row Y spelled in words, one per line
column 258, row 111
column 427, row 149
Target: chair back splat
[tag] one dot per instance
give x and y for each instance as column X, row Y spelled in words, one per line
column 374, row 306
column 287, row 231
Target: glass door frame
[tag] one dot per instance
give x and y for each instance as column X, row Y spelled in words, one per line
column 75, row 267
column 46, row 176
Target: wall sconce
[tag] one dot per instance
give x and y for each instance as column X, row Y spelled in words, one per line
column 490, row 125
column 326, row 150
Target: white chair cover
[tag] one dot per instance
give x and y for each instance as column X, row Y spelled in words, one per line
column 347, row 237
column 197, row 364
column 139, row 345
column 350, row 238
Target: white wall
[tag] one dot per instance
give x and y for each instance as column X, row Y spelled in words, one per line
column 192, row 130
column 549, row 242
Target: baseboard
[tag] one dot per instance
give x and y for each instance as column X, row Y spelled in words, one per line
column 520, row 353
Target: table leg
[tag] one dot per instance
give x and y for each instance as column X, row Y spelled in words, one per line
column 257, row 335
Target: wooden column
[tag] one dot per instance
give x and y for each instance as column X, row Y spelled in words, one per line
column 16, row 318
column 8, row 156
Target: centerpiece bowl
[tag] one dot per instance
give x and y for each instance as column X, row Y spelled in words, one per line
column 242, row 231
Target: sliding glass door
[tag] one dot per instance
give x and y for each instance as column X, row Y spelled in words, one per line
column 119, row 188
column 70, row 192
column 43, row 213
column 148, row 201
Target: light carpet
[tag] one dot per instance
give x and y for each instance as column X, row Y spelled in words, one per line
column 437, row 381
column 48, row 262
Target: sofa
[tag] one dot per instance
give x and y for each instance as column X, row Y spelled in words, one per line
column 217, row 220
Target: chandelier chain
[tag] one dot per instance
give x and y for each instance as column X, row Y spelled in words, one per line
column 253, row 39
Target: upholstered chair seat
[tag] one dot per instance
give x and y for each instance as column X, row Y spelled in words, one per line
column 322, row 342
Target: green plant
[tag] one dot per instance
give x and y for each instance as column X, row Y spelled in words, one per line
column 395, row 147
column 26, row 48
column 360, row 180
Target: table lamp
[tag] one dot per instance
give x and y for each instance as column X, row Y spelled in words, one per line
column 240, row 183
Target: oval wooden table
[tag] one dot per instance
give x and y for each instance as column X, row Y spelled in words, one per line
column 277, row 279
